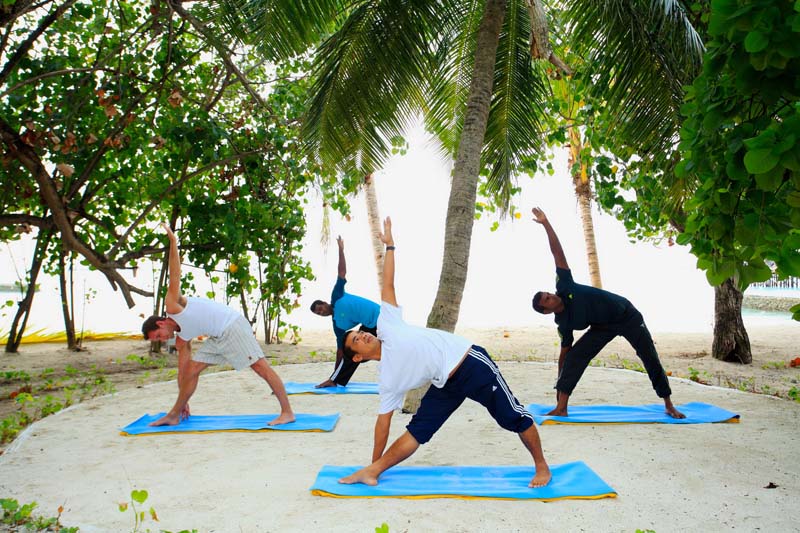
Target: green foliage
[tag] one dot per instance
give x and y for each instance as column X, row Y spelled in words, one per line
column 74, row 387
column 20, row 517
column 134, row 116
column 740, row 143
column 11, row 376
column 139, row 515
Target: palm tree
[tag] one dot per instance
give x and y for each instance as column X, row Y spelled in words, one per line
column 375, row 228
column 464, row 66
column 642, row 54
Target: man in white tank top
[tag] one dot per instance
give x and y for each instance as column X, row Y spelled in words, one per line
column 230, row 341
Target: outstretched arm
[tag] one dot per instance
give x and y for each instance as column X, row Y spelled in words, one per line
column 387, row 288
column 382, row 426
column 342, row 268
column 174, row 301
column 552, row 238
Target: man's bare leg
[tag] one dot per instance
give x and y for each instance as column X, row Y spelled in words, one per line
column 670, row 409
column 187, row 384
column 530, row 438
column 265, row 371
column 561, row 406
column 398, row 452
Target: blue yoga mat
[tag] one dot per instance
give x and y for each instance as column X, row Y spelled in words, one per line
column 293, row 387
column 570, row 481
column 696, row 413
column 204, row 424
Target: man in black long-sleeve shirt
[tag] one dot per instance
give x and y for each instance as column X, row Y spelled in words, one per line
column 606, row 315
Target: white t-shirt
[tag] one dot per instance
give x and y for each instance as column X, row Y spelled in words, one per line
column 203, row 317
column 412, row 356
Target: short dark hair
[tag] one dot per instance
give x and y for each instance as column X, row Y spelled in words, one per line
column 315, row 304
column 151, row 324
column 348, row 352
column 537, row 302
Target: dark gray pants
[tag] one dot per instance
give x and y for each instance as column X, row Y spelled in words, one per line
column 635, row 332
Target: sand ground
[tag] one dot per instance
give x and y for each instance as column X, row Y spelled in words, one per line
column 669, row 478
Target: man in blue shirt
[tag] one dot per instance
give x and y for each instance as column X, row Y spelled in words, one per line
column 347, row 311
column 606, row 314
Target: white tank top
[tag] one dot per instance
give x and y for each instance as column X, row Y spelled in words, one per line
column 203, row 317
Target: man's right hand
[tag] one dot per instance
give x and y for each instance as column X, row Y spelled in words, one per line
column 340, row 242
column 538, row 215
column 168, row 231
column 386, row 236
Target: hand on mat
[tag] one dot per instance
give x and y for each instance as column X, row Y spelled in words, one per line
column 361, row 476
column 185, row 412
column 325, row 384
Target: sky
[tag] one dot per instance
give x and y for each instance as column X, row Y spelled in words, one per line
column 506, row 266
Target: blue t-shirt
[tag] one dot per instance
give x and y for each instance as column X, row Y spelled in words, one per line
column 585, row 306
column 350, row 310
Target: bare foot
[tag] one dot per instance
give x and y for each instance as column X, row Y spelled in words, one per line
column 674, row 413
column 168, row 419
column 362, row 476
column 558, row 412
column 542, row 477
column 285, row 418
column 325, row 384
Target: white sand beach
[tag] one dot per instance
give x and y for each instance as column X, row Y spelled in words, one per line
column 669, row 477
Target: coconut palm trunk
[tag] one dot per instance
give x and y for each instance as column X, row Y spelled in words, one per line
column 583, row 193
column 463, row 191
column 374, row 219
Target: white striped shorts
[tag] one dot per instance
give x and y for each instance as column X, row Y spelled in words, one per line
column 237, row 346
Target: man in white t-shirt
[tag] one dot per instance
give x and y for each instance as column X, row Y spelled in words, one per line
column 230, row 341
column 411, row 356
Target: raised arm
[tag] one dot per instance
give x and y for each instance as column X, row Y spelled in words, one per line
column 174, row 302
column 552, row 238
column 342, row 268
column 387, row 288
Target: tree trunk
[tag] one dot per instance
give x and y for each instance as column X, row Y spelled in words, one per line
column 375, row 229
column 66, row 297
column 158, row 303
column 731, row 342
column 583, row 192
column 24, row 309
column 463, row 191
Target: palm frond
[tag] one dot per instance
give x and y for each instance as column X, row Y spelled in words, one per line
column 368, row 80
column 514, row 128
column 448, row 84
column 641, row 53
column 279, row 29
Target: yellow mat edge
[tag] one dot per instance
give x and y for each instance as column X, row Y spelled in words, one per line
column 549, row 422
column 318, row 492
column 265, row 430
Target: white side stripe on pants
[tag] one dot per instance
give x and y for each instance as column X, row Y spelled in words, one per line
column 511, row 400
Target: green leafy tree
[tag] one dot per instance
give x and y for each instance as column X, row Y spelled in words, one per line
column 115, row 116
column 740, row 142
column 638, row 76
